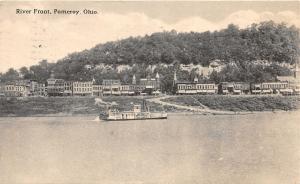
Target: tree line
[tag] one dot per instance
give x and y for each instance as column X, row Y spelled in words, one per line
column 266, row 41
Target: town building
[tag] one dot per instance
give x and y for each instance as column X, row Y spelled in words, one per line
column 235, row 88
column 149, row 85
column 194, row 87
column 55, row 87
column 97, row 90
column 33, row 87
column 68, row 88
column 2, row 89
column 275, row 87
column 125, row 89
column 18, row 88
column 10, row 89
column 111, row 87
column 270, row 88
column 293, row 81
column 83, row 88
column 41, row 89
column 13, row 89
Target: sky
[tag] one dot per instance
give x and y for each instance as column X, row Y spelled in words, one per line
column 27, row 39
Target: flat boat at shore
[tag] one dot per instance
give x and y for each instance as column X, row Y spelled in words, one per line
column 138, row 112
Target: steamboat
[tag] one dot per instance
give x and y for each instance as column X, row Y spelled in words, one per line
column 138, row 112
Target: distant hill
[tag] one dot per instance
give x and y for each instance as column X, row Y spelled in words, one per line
column 266, row 41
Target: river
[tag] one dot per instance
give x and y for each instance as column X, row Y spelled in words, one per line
column 257, row 148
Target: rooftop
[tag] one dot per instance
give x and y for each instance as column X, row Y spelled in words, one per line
column 287, row 79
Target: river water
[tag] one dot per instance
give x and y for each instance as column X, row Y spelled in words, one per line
column 258, row 148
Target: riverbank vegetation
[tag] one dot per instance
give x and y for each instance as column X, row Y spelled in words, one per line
column 46, row 106
column 91, row 106
column 239, row 103
column 70, row 105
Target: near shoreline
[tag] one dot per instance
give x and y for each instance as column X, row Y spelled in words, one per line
column 179, row 105
column 169, row 113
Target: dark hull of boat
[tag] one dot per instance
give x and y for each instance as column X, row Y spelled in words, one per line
column 134, row 119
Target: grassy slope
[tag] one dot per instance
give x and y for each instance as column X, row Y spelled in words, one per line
column 125, row 101
column 67, row 105
column 54, row 105
column 240, row 103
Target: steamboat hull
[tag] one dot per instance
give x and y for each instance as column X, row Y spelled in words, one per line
column 106, row 119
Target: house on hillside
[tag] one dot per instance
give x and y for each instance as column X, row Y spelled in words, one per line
column 88, row 67
column 205, row 71
column 215, row 65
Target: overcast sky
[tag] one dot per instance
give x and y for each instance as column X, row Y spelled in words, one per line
column 27, row 39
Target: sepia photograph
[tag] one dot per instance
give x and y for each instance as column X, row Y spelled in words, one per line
column 150, row 92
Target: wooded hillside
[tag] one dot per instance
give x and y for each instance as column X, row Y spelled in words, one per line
column 267, row 41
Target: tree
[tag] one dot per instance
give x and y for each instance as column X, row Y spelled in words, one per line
column 10, row 75
column 215, row 77
column 167, row 57
column 42, row 71
column 25, row 73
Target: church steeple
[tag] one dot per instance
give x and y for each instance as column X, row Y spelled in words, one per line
column 133, row 79
column 175, row 78
column 296, row 70
column 157, row 76
column 148, row 76
column 196, row 79
column 52, row 75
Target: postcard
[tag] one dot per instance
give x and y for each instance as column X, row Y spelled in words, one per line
column 140, row 92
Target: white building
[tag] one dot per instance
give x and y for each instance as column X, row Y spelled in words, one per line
column 83, row 88
column 97, row 90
